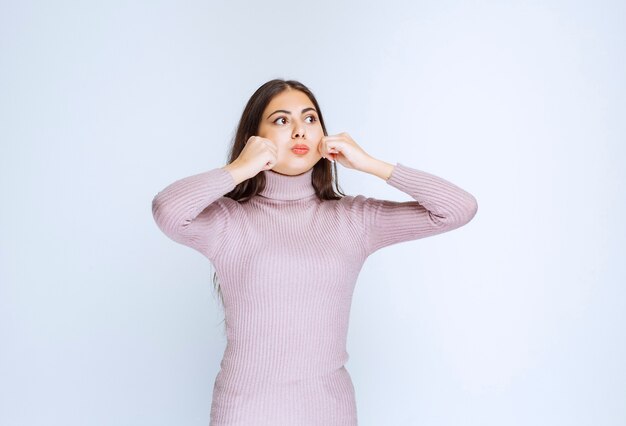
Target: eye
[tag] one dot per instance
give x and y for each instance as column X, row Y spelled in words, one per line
column 313, row 119
column 279, row 118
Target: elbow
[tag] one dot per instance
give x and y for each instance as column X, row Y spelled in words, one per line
column 162, row 215
column 156, row 207
column 461, row 214
column 169, row 217
column 155, row 204
column 471, row 208
column 467, row 210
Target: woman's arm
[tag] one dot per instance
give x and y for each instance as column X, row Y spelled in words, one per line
column 439, row 206
column 191, row 211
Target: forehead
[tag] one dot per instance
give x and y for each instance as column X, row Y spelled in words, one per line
column 290, row 100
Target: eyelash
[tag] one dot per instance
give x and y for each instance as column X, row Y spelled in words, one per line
column 312, row 116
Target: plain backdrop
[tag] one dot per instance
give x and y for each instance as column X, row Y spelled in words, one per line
column 517, row 318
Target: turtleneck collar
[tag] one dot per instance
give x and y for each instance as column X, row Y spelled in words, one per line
column 285, row 187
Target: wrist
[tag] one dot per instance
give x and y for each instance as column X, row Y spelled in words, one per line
column 380, row 168
column 238, row 171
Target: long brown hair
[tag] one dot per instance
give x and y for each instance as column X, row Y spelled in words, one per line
column 324, row 172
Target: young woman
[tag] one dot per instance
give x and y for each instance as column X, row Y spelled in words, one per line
column 288, row 248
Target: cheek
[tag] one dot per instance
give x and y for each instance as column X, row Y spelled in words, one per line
column 317, row 134
column 267, row 130
column 274, row 132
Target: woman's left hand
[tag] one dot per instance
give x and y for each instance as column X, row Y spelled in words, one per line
column 345, row 150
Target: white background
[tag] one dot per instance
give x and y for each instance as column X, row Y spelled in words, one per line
column 517, row 318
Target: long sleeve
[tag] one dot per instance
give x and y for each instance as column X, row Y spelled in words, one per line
column 439, row 206
column 191, row 211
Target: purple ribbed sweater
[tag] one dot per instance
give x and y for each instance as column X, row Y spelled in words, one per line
column 287, row 264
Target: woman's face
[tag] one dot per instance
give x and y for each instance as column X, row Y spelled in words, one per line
column 290, row 119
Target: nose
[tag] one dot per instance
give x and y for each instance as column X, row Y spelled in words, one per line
column 298, row 131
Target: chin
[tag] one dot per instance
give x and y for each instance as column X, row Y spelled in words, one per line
column 294, row 169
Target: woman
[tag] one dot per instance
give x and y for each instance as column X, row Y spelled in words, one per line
column 288, row 249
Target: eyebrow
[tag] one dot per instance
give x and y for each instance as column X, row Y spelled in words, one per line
column 288, row 112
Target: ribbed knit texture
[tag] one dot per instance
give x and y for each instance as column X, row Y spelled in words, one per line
column 287, row 264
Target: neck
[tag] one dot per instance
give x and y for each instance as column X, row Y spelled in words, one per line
column 286, row 187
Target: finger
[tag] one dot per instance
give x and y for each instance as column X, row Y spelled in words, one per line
column 271, row 145
column 327, row 148
column 332, row 153
column 333, row 147
column 322, row 147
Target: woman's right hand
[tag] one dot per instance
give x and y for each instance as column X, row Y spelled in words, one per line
column 258, row 154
